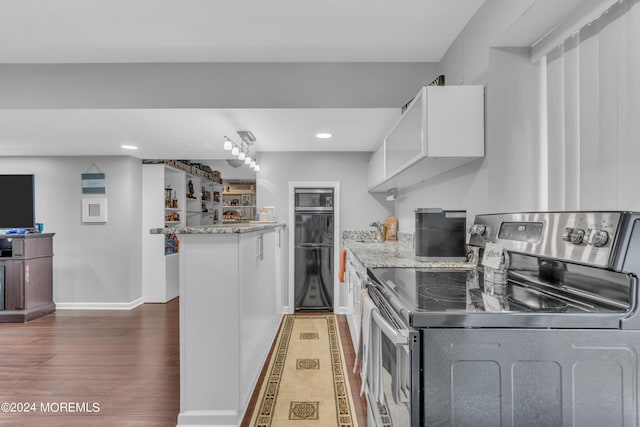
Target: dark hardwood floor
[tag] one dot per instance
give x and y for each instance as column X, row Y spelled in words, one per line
column 59, row 367
column 126, row 362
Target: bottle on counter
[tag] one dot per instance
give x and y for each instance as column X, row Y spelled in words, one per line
column 392, row 233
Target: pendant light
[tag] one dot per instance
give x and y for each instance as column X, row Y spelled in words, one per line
column 242, row 150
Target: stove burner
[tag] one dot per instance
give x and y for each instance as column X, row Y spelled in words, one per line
column 443, row 293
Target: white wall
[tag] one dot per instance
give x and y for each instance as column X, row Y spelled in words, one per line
column 467, row 59
column 97, row 263
column 505, row 179
column 358, row 208
column 514, row 138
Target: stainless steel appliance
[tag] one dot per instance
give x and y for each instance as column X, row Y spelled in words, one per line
column 556, row 344
column 313, row 270
column 440, row 234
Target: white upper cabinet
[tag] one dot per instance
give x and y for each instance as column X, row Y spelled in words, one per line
column 375, row 168
column 442, row 129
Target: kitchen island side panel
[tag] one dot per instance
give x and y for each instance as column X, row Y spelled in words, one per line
column 209, row 330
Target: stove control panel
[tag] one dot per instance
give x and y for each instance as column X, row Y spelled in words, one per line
column 581, row 237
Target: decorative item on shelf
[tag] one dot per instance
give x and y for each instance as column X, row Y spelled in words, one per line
column 216, row 196
column 438, row 81
column 172, row 217
column 191, row 194
column 173, row 203
column 167, row 196
column 246, row 200
column 234, row 202
column 229, row 215
column 204, row 208
column 241, row 150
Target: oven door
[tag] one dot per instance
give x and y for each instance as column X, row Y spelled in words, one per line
column 393, row 380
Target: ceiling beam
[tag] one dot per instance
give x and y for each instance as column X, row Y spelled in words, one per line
column 212, row 85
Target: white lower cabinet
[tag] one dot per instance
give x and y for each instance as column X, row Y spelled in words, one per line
column 355, row 277
column 230, row 310
column 259, row 310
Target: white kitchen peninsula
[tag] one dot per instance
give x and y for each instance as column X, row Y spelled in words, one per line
column 230, row 309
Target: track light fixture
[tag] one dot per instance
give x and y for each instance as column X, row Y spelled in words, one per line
column 242, row 150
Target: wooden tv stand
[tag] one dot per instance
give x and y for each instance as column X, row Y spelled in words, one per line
column 28, row 276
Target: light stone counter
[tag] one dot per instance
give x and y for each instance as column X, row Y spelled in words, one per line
column 392, row 254
column 217, row 229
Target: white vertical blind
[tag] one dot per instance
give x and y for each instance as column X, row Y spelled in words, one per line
column 593, row 115
column 555, row 127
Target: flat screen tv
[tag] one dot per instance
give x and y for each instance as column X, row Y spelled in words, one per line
column 17, row 201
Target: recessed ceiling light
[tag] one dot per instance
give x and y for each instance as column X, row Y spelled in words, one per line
column 129, row 147
column 323, row 135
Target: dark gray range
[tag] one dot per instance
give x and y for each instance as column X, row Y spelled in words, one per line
column 556, row 344
column 313, row 249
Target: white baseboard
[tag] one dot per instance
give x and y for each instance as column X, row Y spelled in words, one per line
column 99, row 305
column 286, row 310
column 208, row 418
column 341, row 310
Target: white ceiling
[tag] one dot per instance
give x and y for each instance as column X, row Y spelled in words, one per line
column 122, row 31
column 78, row 31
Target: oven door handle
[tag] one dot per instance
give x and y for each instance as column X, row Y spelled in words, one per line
column 397, row 337
column 400, row 338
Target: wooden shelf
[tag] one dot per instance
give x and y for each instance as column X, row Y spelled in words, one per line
column 239, row 192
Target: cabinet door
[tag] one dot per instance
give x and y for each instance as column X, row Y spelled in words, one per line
column 38, row 287
column 375, row 167
column 14, row 276
column 406, row 142
column 455, row 121
column 259, row 308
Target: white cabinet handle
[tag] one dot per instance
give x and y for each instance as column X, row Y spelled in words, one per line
column 259, row 247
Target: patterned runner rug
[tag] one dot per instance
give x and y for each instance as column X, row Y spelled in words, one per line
column 306, row 378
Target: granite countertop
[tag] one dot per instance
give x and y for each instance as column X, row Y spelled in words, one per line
column 393, row 254
column 217, row 229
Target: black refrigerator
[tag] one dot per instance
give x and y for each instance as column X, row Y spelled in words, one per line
column 313, row 290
